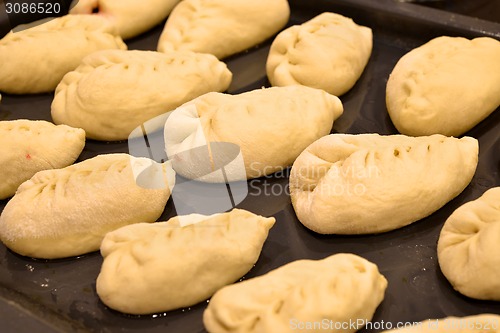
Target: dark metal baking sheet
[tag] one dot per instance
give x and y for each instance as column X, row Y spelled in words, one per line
column 59, row 296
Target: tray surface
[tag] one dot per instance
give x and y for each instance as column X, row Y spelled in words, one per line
column 60, row 296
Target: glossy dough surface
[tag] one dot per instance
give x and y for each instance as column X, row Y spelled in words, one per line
column 271, row 127
column 328, row 52
column 150, row 268
column 112, row 92
column 27, row 147
column 35, row 60
column 446, row 86
column 367, row 183
column 66, row 212
column 131, row 17
column 222, row 27
column 469, row 247
column 340, row 288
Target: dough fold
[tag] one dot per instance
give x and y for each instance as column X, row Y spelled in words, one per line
column 342, row 288
column 222, row 27
column 469, row 247
column 27, row 147
column 113, row 92
column 367, row 183
column 446, row 86
column 151, row 268
column 35, row 60
column 66, row 212
column 328, row 52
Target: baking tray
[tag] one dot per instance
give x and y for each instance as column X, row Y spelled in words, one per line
column 60, row 296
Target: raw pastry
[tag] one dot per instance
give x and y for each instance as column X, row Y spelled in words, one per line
column 163, row 266
column 66, row 212
column 361, row 184
column 131, row 17
column 328, row 52
column 342, row 288
column 446, row 86
column 112, row 92
column 35, row 60
column 222, row 27
column 483, row 323
column 469, row 247
column 270, row 126
column 27, row 147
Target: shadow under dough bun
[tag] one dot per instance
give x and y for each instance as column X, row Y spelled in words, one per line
column 222, row 27
column 328, row 52
column 367, row 183
column 131, row 17
column 66, row 212
column 342, row 288
column 112, row 92
column 270, row 127
column 27, row 147
column 35, row 60
column 151, row 268
column 469, row 247
column 446, row 86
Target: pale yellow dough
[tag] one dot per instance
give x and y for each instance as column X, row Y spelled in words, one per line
column 131, row 17
column 222, row 27
column 328, row 52
column 112, row 92
column 35, row 60
column 271, row 127
column 66, row 212
column 469, row 247
column 27, row 147
column 150, row 268
column 342, row 288
column 367, row 183
column 446, row 86
column 483, row 323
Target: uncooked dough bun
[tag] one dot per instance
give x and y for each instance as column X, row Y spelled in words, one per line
column 367, row 183
column 112, row 92
column 328, row 52
column 35, row 60
column 222, row 27
column 150, row 268
column 271, row 127
column 342, row 288
column 446, row 86
column 66, row 212
column 131, row 17
column 27, row 147
column 483, row 323
column 469, row 247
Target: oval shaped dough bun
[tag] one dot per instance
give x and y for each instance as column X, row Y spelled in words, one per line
column 222, row 27
column 35, row 60
column 469, row 247
column 328, row 52
column 151, row 268
column 112, row 92
column 342, row 288
column 131, row 17
column 367, row 183
column 446, row 86
column 66, row 212
column 27, row 147
column 271, row 126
